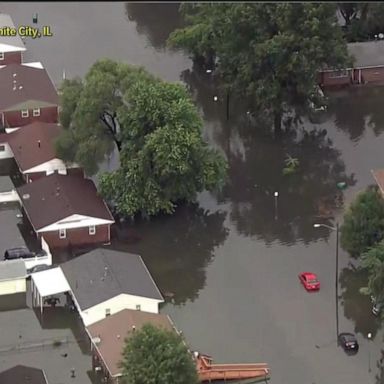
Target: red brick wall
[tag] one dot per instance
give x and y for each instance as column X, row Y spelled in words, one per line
column 76, row 172
column 13, row 119
column 77, row 237
column 372, row 75
column 327, row 80
column 12, row 58
column 33, row 176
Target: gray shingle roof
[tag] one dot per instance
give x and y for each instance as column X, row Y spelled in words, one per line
column 21, row 374
column 12, row 269
column 367, row 54
column 102, row 274
column 6, row 184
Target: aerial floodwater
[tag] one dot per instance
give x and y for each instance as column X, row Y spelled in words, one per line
column 229, row 264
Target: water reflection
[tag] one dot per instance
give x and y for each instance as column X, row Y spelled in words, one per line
column 156, row 20
column 357, row 307
column 176, row 248
column 358, row 110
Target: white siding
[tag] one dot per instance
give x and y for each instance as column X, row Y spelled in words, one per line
column 10, row 287
column 6, row 197
column 7, row 153
column 50, row 167
column 117, row 304
column 75, row 221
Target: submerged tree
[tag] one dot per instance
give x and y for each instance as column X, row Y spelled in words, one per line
column 363, row 225
column 270, row 52
column 157, row 356
column 156, row 129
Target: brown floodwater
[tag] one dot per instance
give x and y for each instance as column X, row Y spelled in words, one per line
column 229, row 263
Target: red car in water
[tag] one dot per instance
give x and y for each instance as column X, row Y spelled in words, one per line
column 310, row 281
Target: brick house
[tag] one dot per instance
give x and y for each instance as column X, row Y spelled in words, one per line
column 368, row 66
column 33, row 148
column 27, row 94
column 11, row 47
column 67, row 210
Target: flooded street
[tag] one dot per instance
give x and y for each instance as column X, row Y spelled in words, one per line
column 229, row 264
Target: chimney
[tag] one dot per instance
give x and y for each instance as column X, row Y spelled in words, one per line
column 39, row 143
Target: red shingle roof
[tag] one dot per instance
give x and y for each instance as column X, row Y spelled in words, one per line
column 56, row 197
column 34, row 144
column 21, row 83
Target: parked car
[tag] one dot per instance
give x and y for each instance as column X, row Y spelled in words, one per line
column 348, row 342
column 310, row 281
column 39, row 268
column 377, row 306
column 18, row 253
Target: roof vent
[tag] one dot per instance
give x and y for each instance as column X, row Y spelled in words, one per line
column 20, row 87
column 133, row 328
column 39, row 143
column 14, row 88
column 118, row 336
column 26, row 196
column 14, row 74
column 96, row 340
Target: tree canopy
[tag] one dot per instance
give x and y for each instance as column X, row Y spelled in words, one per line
column 269, row 52
column 363, row 225
column 154, row 125
column 157, row 356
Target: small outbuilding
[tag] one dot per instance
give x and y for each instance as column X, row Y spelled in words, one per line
column 21, row 374
column 13, row 275
column 104, row 282
column 7, row 190
column 108, row 338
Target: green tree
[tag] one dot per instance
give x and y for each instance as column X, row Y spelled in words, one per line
column 164, row 158
column 157, row 356
column 363, row 225
column 373, row 261
column 269, row 52
column 156, row 128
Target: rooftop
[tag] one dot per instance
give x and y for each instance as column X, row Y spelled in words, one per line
column 50, row 282
column 23, row 86
column 102, row 274
column 21, row 374
column 10, row 43
column 34, row 144
column 56, row 197
column 12, row 269
column 367, row 54
column 378, row 175
column 109, row 334
column 6, row 184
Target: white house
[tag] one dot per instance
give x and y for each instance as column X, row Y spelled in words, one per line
column 104, row 282
column 13, row 276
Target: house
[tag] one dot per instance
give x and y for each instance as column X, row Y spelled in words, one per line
column 7, row 190
column 104, row 282
column 11, row 47
column 27, row 94
column 67, row 210
column 108, row 338
column 13, row 275
column 368, row 66
column 379, row 178
column 33, row 149
column 21, row 374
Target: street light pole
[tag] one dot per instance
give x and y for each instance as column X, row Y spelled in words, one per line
column 337, row 229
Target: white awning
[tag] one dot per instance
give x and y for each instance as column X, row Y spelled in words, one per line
column 50, row 282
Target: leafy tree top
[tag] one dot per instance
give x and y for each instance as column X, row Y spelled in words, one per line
column 156, row 356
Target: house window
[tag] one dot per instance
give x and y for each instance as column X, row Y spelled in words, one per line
column 107, row 312
column 92, row 230
column 62, row 233
column 1, row 55
column 138, row 307
column 2, row 148
column 25, row 113
column 36, row 112
column 335, row 74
